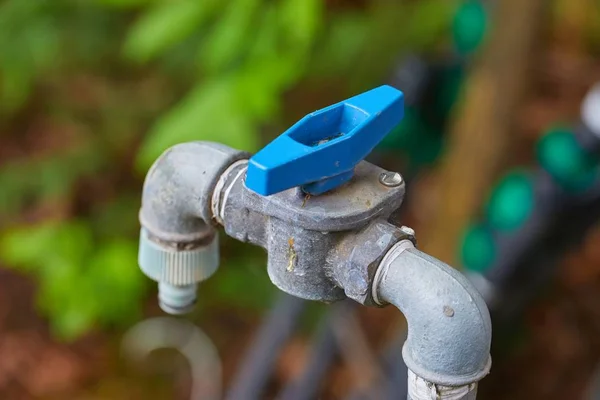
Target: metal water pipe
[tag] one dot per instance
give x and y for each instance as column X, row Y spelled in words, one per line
column 321, row 213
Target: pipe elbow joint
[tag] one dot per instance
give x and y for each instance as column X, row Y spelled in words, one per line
column 176, row 198
column 449, row 327
column 178, row 244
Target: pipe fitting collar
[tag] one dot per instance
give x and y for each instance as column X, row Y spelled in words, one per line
column 392, row 254
column 177, row 266
column 421, row 389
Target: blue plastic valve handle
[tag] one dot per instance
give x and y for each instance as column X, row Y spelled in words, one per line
column 319, row 152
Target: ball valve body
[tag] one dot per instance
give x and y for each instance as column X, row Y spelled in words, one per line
column 321, row 213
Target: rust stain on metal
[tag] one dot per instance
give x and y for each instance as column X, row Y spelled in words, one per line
column 292, row 255
column 448, row 311
column 306, row 198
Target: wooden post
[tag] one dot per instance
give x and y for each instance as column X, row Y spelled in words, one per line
column 481, row 131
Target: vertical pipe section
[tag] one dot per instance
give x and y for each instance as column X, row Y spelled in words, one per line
column 449, row 327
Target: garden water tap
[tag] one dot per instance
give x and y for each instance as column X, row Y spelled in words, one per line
column 321, row 212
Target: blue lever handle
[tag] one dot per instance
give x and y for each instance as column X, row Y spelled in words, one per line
column 320, row 151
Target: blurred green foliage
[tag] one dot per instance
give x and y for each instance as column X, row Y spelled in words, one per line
column 82, row 281
column 246, row 53
column 229, row 64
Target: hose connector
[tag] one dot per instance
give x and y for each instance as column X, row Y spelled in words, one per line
column 178, row 267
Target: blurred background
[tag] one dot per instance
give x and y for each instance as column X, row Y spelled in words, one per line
column 500, row 181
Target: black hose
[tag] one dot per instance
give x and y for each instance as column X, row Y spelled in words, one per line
column 322, row 355
column 257, row 366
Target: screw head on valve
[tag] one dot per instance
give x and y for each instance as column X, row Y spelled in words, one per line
column 390, row 179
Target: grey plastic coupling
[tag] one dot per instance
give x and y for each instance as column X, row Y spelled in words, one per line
column 178, row 269
column 449, row 327
column 177, row 300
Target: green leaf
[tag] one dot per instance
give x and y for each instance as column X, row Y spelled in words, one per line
column 59, row 279
column 267, row 71
column 77, row 317
column 113, row 270
column 165, row 25
column 28, row 246
column 207, row 113
column 29, row 44
column 229, row 39
column 267, row 35
column 260, row 83
column 39, row 246
column 342, row 45
column 301, row 20
column 72, row 242
column 106, row 287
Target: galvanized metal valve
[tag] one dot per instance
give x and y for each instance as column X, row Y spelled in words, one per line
column 321, row 213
